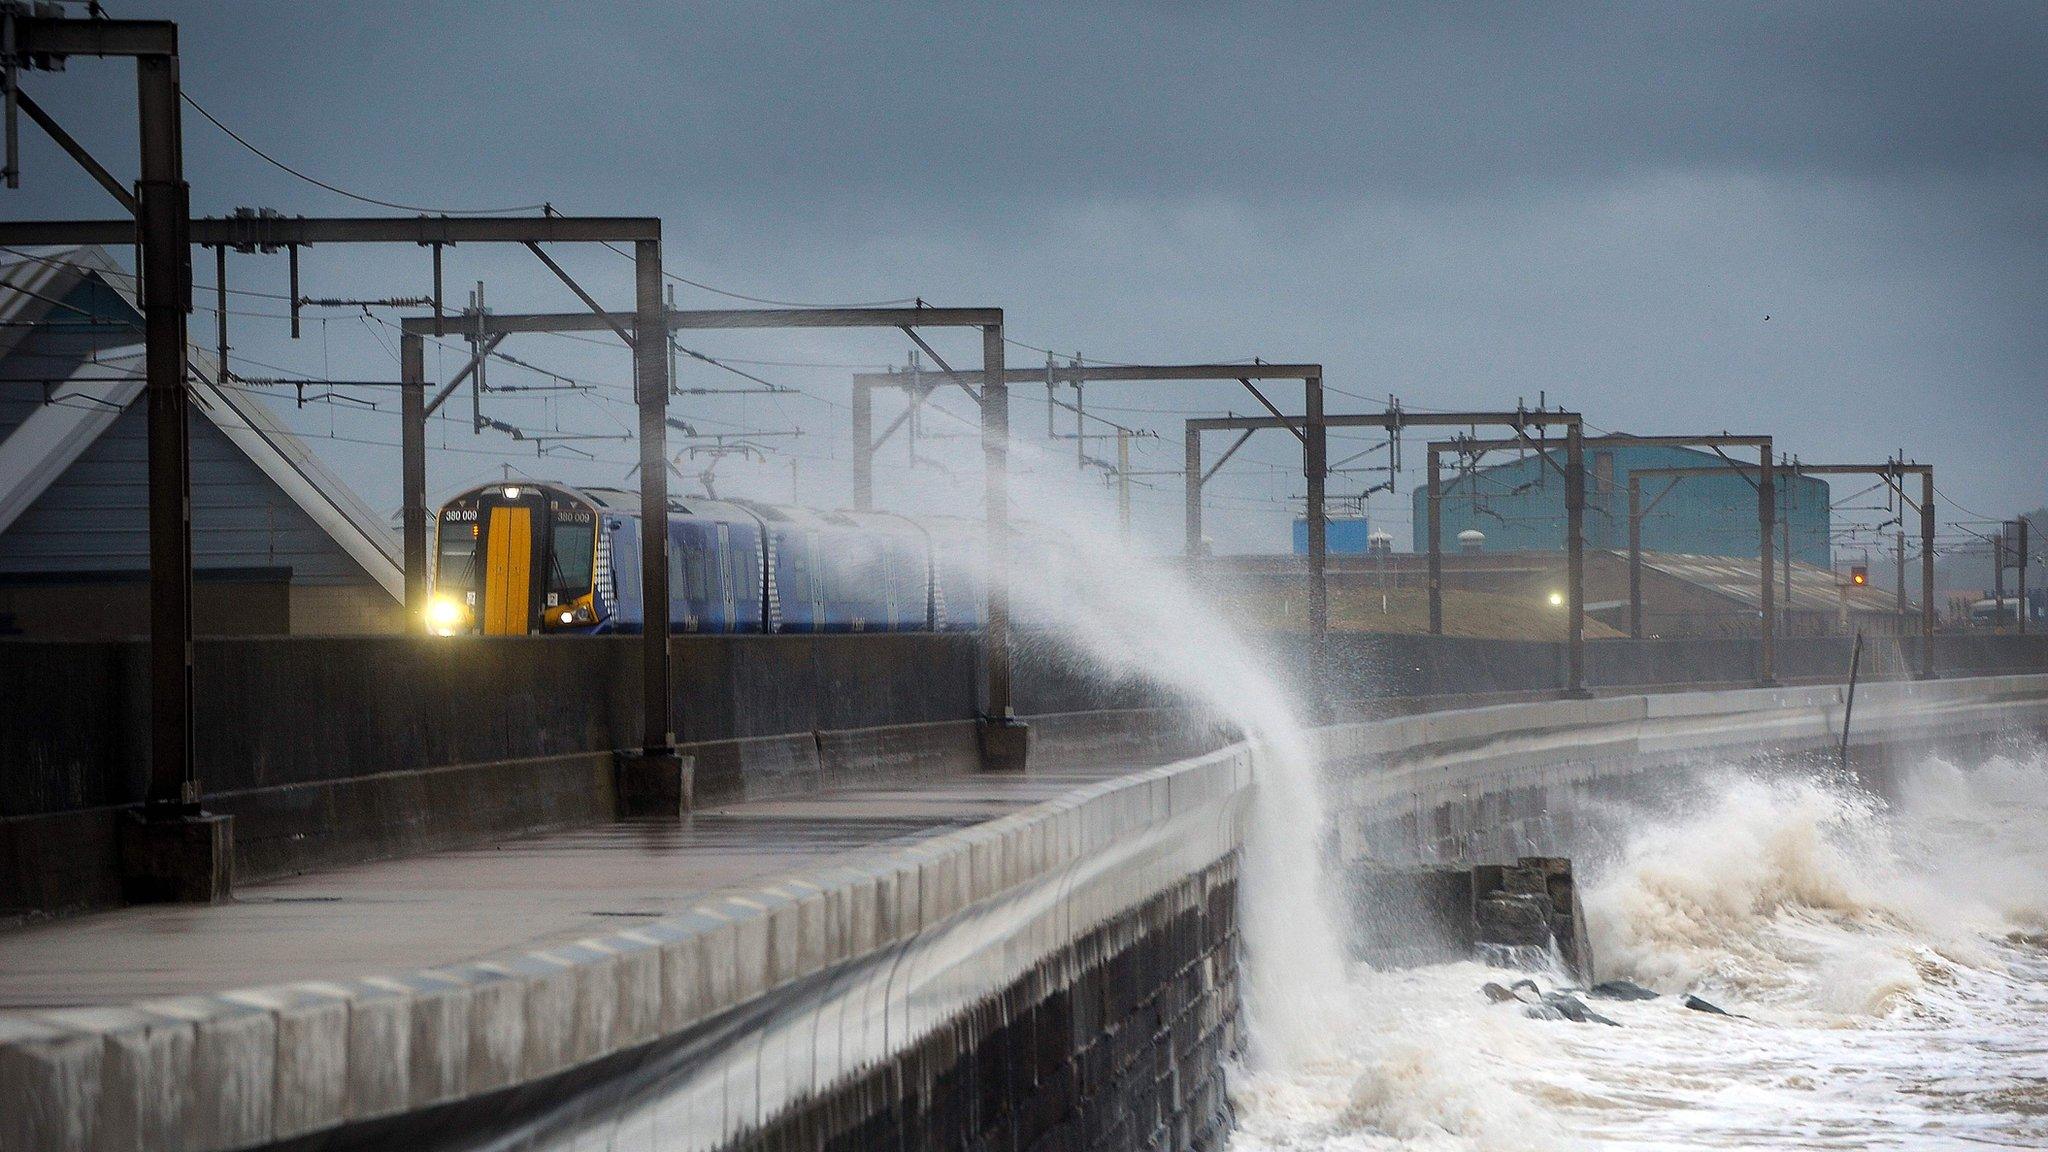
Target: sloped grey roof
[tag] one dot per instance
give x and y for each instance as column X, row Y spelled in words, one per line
column 45, row 444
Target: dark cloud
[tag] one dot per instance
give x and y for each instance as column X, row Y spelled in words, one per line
column 1465, row 203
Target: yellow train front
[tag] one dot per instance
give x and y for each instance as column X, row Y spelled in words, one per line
column 517, row 558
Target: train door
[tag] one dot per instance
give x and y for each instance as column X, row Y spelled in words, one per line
column 511, row 548
column 892, row 583
column 820, row 621
column 727, row 594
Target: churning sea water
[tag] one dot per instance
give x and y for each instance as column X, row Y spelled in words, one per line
column 1888, row 962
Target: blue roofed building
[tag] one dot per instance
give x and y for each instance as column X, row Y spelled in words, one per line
column 1342, row 535
column 1519, row 505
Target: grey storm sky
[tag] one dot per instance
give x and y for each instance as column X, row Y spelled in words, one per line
column 1459, row 205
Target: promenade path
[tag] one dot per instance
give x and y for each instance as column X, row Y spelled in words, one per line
column 482, row 903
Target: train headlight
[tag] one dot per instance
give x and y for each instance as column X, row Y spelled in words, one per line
column 445, row 616
column 585, row 614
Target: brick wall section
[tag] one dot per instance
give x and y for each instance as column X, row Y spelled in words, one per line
column 1115, row 1044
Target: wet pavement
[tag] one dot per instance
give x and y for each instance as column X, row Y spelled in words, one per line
column 478, row 903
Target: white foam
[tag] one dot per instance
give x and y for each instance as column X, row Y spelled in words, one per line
column 1865, row 946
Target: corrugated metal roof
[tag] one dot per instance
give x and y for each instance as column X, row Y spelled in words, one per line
column 1737, row 578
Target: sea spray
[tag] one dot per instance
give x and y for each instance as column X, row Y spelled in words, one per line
column 1129, row 615
column 1332, row 1052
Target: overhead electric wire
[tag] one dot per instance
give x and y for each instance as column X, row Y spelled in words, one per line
column 339, row 191
column 717, row 291
column 700, row 285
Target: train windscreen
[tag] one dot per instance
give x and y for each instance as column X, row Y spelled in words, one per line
column 455, row 566
column 575, row 547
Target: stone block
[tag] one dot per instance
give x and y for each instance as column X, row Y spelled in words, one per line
column 654, row 783
column 147, row 1082
column 549, row 989
column 379, row 1048
column 234, row 1069
column 496, row 1052
column 699, row 968
column 177, row 859
column 1005, row 744
column 638, row 1017
column 311, row 1022
column 50, row 1084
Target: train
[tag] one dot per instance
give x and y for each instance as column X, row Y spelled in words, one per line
column 519, row 558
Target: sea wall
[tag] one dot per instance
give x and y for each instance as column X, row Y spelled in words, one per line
column 1487, row 785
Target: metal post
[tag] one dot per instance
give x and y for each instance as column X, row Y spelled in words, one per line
column 482, row 360
column 995, row 449
column 1997, row 580
column 1785, row 552
column 413, row 475
column 650, row 378
column 1123, row 484
column 1767, row 510
column 163, row 223
column 1902, row 578
column 1193, row 470
column 1080, row 429
column 220, row 308
column 1315, row 467
column 1575, row 558
column 864, row 446
column 2020, row 574
column 1635, row 557
column 1927, row 575
column 10, row 124
column 1849, row 699
column 1434, row 544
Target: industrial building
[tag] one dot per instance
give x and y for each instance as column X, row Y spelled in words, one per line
column 280, row 545
column 1519, row 506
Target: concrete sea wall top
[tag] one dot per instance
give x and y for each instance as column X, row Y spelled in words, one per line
column 956, row 913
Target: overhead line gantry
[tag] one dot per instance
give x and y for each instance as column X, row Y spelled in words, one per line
column 1313, row 429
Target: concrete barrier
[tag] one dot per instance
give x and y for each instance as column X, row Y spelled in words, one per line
column 299, row 710
column 64, row 862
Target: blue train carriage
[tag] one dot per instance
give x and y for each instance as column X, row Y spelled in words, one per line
column 717, row 576
column 845, row 571
column 517, row 558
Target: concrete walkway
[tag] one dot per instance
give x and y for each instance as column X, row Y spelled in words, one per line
column 477, row 904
